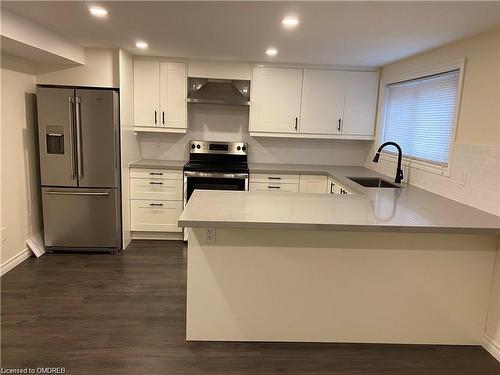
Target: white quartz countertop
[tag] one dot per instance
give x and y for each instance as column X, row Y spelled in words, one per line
column 158, row 164
column 408, row 209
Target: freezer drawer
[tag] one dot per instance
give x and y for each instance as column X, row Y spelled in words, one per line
column 81, row 218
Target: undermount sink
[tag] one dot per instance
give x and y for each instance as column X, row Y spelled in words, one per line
column 373, row 182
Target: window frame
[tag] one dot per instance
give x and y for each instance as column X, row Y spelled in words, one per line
column 410, row 162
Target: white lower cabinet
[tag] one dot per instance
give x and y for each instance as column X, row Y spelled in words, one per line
column 295, row 183
column 156, row 200
column 155, row 215
column 279, row 182
column 313, row 184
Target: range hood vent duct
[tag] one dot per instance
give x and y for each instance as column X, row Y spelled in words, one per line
column 218, row 91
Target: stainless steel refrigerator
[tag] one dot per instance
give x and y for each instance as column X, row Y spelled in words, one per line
column 80, row 168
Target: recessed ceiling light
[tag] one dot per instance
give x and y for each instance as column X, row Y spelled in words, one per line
column 290, row 22
column 141, row 45
column 271, row 51
column 98, row 12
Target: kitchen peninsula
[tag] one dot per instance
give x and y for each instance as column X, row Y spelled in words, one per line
column 388, row 265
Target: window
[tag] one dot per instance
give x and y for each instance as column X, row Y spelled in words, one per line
column 420, row 116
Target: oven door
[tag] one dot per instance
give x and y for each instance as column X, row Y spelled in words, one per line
column 213, row 181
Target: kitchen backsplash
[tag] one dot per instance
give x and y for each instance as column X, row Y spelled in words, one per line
column 230, row 123
column 474, row 180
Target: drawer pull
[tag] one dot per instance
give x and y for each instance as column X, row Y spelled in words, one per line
column 156, row 204
column 274, row 187
column 274, row 178
column 155, row 183
column 156, row 173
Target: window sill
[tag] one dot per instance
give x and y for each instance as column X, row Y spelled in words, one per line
column 418, row 164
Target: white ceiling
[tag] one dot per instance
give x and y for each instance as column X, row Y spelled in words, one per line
column 334, row 33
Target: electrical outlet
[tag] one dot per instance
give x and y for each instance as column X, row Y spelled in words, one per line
column 210, row 235
column 4, row 234
column 459, row 176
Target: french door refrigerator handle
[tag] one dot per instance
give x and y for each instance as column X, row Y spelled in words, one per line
column 76, row 193
column 71, row 133
column 79, row 137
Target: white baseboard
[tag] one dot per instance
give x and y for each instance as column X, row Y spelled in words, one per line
column 174, row 236
column 15, row 260
column 491, row 347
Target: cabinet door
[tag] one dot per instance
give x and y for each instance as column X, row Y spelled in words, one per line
column 146, row 92
column 313, row 184
column 360, row 103
column 276, row 94
column 172, row 95
column 323, row 101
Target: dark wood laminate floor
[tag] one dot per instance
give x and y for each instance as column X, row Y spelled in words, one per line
column 125, row 314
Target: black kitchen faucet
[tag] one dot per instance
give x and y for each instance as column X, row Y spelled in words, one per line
column 399, row 171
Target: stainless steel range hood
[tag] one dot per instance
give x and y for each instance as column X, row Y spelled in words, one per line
column 218, row 91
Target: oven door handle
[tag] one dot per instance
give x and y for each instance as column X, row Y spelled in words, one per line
column 216, row 175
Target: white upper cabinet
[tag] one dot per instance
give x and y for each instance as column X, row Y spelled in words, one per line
column 313, row 103
column 146, row 93
column 173, row 86
column 360, row 103
column 323, row 97
column 276, row 98
column 160, row 96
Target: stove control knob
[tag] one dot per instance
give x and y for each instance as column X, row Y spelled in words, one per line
column 193, row 146
column 198, row 147
column 238, row 148
column 244, row 148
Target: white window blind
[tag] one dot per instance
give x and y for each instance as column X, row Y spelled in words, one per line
column 420, row 116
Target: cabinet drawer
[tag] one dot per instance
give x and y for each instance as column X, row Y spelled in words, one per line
column 155, row 215
column 156, row 173
column 274, row 177
column 142, row 188
column 277, row 187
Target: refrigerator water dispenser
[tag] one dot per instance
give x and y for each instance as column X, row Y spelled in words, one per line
column 54, row 139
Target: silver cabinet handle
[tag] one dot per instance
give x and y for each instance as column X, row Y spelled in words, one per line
column 79, row 137
column 71, row 126
column 76, row 193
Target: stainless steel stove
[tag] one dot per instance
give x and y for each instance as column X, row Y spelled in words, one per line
column 216, row 166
